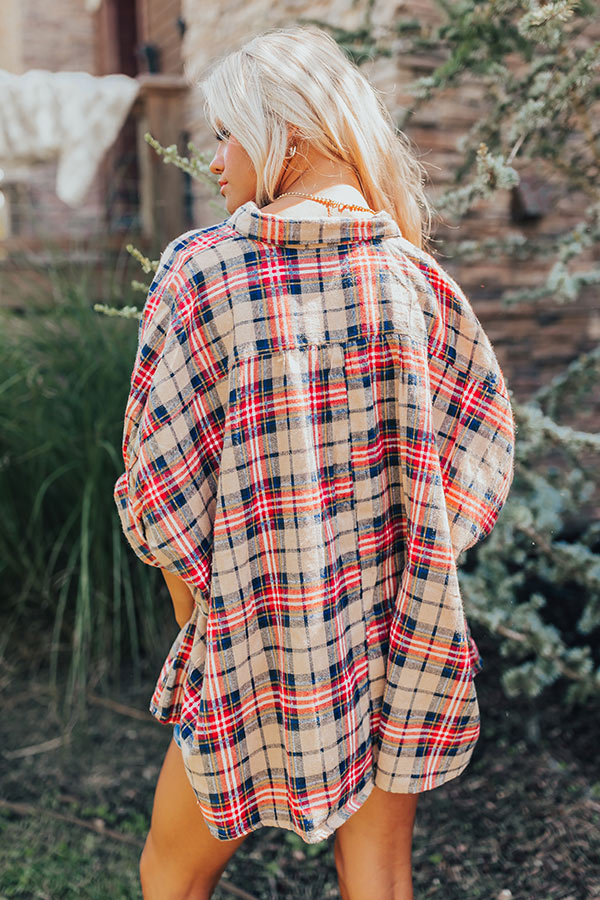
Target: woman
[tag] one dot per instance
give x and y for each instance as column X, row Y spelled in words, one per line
column 317, row 428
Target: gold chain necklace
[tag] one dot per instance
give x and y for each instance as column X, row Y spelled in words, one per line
column 329, row 203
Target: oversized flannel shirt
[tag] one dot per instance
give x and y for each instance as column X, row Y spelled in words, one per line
column 317, row 428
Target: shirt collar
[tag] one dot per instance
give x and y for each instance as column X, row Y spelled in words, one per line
column 252, row 222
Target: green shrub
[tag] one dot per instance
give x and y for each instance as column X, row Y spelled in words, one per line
column 64, row 379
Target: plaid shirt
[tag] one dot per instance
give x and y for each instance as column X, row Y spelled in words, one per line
column 317, row 428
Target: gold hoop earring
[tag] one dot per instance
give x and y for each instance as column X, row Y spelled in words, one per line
column 292, row 152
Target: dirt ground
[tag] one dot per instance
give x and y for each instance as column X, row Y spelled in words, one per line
column 521, row 823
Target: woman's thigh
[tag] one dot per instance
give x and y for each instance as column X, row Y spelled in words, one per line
column 373, row 848
column 181, row 858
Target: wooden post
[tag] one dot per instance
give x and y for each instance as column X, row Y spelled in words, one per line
column 160, row 110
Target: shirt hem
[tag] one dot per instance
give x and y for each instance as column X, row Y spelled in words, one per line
column 325, row 831
column 316, row 836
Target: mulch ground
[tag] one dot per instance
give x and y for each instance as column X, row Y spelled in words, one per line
column 522, row 821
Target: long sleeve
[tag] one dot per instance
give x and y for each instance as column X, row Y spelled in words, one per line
column 471, row 412
column 456, row 475
column 173, row 429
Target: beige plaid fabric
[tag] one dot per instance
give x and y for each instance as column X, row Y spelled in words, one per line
column 317, row 428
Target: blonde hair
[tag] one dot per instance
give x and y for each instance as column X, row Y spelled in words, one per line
column 298, row 78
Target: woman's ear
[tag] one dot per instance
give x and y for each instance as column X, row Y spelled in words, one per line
column 293, row 138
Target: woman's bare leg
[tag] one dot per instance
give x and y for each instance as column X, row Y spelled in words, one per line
column 181, row 860
column 373, row 848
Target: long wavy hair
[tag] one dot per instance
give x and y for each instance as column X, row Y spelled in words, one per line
column 299, row 79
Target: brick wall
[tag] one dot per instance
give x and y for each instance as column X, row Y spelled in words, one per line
column 57, row 36
column 64, row 36
column 158, row 24
column 11, row 58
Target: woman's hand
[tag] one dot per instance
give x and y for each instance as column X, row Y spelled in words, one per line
column 183, row 600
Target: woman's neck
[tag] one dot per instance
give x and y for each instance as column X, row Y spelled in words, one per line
column 312, row 173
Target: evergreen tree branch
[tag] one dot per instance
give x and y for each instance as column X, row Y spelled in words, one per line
column 580, row 376
column 537, row 430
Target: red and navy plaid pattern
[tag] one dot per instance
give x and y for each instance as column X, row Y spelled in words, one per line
column 317, row 428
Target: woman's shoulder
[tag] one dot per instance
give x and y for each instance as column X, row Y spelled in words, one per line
column 199, row 254
column 196, row 274
column 455, row 332
column 196, row 241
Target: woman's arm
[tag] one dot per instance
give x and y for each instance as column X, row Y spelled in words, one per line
column 172, row 437
column 183, row 601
